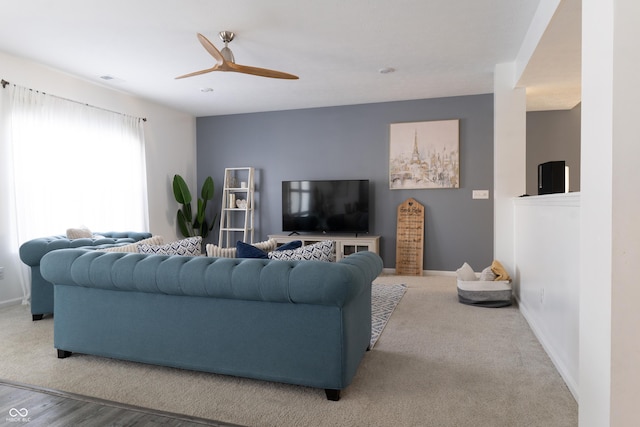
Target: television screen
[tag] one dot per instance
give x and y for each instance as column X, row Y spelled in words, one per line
column 333, row 206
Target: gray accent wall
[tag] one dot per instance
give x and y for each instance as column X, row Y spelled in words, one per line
column 551, row 136
column 352, row 142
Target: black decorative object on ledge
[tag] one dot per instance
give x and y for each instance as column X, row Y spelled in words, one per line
column 553, row 177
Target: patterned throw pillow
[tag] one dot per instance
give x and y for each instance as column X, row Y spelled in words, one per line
column 191, row 246
column 321, row 251
column 133, row 247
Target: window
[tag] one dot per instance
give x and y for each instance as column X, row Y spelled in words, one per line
column 75, row 165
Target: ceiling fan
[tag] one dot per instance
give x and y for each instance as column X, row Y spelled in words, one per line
column 226, row 61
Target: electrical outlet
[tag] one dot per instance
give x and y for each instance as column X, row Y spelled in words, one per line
column 1, row 273
column 480, row 194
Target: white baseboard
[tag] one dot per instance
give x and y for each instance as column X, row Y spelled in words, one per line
column 15, row 301
column 572, row 383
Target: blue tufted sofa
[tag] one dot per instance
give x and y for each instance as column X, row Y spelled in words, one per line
column 31, row 253
column 299, row 322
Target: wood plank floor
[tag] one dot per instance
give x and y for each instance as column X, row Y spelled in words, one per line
column 22, row 404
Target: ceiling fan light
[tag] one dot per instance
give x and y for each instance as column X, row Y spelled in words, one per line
column 227, row 54
column 386, row 70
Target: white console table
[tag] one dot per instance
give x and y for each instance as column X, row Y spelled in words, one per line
column 344, row 245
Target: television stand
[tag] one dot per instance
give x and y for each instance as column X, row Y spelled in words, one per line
column 344, row 245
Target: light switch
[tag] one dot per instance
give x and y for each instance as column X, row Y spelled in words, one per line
column 480, row 194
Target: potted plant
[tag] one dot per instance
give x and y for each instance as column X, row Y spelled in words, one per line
column 189, row 224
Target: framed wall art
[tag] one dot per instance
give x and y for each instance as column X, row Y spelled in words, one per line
column 424, row 155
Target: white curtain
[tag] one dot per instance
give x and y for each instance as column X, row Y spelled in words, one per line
column 73, row 165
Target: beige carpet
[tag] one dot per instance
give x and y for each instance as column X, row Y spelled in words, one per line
column 437, row 363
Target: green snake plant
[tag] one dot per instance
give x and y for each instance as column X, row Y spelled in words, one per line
column 189, row 224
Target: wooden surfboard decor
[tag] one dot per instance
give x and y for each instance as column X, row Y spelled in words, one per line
column 410, row 238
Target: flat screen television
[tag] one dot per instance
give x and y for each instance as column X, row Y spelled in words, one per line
column 330, row 206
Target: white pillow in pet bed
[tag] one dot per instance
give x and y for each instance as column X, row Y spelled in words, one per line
column 466, row 273
column 487, row 274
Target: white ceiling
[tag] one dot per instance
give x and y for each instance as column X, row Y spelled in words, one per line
column 439, row 48
column 553, row 76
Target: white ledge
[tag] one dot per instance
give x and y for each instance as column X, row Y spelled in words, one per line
column 558, row 199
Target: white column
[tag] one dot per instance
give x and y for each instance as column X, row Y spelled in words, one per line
column 625, row 319
column 610, row 233
column 509, row 159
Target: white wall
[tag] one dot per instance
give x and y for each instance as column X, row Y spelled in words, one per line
column 170, row 146
column 547, row 276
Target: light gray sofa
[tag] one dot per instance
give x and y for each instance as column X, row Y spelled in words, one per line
column 32, row 251
column 299, row 322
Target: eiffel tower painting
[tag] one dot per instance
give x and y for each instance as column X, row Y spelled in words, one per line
column 424, row 155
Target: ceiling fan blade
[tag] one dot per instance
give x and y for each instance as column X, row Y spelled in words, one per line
column 263, row 72
column 229, row 65
column 211, row 48
column 197, row 73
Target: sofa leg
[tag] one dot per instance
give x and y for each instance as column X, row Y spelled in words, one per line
column 62, row 354
column 37, row 317
column 332, row 394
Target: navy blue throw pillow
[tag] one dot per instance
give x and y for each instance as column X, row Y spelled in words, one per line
column 294, row 244
column 245, row 250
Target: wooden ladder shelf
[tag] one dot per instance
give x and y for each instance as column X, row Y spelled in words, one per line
column 238, row 205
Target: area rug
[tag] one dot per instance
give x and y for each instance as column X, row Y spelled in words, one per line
column 384, row 299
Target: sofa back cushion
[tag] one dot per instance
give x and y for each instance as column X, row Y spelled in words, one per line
column 241, row 279
column 33, row 250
